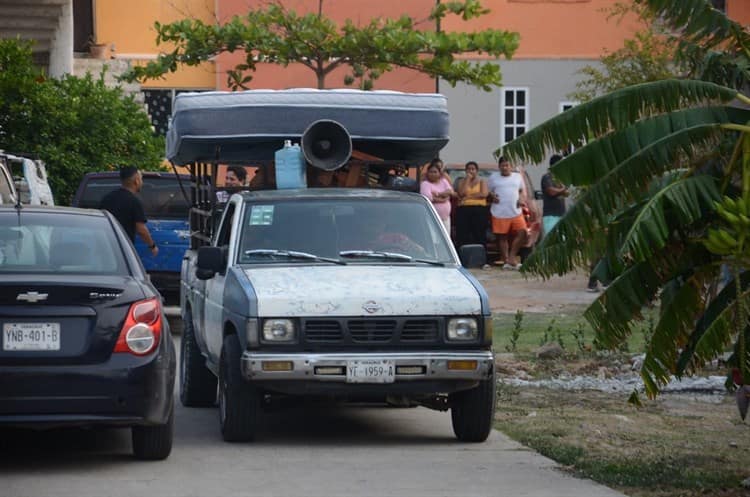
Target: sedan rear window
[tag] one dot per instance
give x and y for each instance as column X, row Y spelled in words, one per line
column 36, row 242
column 161, row 196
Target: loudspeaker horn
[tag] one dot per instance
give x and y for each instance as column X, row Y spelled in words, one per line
column 326, row 145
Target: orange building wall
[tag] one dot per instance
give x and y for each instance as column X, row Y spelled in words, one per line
column 553, row 29
column 130, row 27
column 359, row 11
column 739, row 10
column 566, row 29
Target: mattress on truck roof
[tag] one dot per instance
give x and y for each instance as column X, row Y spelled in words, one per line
column 251, row 125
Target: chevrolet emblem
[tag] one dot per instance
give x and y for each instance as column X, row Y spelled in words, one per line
column 32, row 297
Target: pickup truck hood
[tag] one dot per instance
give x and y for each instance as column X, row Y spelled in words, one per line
column 359, row 290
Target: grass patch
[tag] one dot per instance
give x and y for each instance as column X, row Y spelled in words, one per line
column 567, row 327
column 655, row 451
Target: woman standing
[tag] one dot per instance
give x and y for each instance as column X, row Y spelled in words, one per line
column 439, row 191
column 471, row 215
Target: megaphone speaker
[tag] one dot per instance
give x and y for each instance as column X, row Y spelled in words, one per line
column 326, row 145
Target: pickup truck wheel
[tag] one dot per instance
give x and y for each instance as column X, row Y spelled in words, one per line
column 472, row 411
column 197, row 382
column 239, row 401
column 153, row 442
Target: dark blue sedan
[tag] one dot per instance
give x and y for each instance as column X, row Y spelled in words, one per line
column 84, row 337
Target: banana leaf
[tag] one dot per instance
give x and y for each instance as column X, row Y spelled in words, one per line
column 681, row 203
column 672, row 332
column 597, row 158
column 697, row 21
column 613, row 111
column 699, row 350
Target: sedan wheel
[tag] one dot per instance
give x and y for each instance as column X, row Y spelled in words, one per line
column 153, row 442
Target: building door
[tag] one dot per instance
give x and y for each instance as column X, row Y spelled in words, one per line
column 83, row 24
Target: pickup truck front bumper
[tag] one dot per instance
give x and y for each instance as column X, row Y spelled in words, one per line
column 333, row 367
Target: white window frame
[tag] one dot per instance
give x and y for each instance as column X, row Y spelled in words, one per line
column 562, row 108
column 526, row 107
column 566, row 103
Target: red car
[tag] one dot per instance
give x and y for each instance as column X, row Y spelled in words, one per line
column 532, row 210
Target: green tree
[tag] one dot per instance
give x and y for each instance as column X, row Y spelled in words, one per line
column 666, row 172
column 650, row 55
column 76, row 125
column 280, row 36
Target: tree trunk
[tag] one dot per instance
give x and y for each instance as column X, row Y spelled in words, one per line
column 321, row 75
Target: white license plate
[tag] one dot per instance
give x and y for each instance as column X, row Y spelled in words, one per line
column 370, row 371
column 31, row 336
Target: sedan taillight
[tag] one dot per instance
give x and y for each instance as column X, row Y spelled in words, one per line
column 142, row 329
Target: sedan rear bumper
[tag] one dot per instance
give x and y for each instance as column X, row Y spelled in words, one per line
column 125, row 390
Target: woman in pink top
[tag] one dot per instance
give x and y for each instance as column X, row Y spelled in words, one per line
column 439, row 191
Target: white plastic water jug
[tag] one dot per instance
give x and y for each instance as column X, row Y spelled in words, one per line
column 290, row 167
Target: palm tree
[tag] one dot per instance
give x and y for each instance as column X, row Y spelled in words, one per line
column 665, row 173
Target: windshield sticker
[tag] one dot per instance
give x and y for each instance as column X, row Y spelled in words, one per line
column 261, row 215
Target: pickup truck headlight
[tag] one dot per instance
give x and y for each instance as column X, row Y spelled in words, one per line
column 463, row 329
column 279, row 330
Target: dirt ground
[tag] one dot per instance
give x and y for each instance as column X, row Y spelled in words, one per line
column 675, row 446
column 510, row 291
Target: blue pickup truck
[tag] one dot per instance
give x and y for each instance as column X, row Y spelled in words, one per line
column 167, row 212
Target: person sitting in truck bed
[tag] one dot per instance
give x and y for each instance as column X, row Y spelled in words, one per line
column 234, row 179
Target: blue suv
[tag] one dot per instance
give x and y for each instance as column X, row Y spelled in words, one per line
column 167, row 211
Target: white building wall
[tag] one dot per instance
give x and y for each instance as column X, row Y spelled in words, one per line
column 61, row 48
column 476, row 115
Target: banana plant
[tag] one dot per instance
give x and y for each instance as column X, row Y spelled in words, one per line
column 730, row 239
column 664, row 171
column 659, row 163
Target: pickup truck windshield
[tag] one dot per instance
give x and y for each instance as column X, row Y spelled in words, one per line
column 161, row 196
column 343, row 228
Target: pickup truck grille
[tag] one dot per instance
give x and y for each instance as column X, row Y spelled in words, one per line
column 371, row 331
column 420, row 330
column 376, row 330
column 323, row 331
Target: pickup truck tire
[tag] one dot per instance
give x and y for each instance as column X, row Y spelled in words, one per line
column 153, row 443
column 197, row 382
column 472, row 411
column 239, row 401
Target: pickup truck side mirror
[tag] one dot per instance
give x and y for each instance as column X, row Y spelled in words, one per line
column 210, row 262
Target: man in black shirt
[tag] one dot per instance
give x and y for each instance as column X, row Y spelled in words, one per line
column 127, row 208
column 553, row 195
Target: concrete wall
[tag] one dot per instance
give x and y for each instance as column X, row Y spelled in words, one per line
column 476, row 115
column 114, row 68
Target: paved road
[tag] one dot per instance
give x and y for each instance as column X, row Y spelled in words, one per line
column 321, row 451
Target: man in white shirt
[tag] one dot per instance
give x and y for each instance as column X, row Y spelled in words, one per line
column 508, row 194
